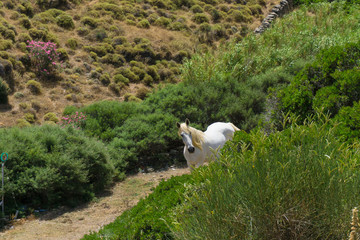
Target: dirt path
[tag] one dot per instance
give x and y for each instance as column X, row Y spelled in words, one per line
column 71, row 224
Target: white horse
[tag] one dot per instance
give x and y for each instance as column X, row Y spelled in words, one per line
column 201, row 147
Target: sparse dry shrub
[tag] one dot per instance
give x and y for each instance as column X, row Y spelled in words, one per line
column 82, row 31
column 5, row 44
column 21, row 123
column 105, row 79
column 65, row 21
column 51, row 117
column 255, row 9
column 142, row 92
column 88, row 21
column 162, row 22
column 178, row 26
column 25, row 22
column 34, row 86
column 36, row 34
column 197, row 9
column 200, row 18
column 72, row 43
column 115, row 88
column 29, row 117
column 116, row 60
column 153, row 72
column 148, row 80
column 119, row 40
column 128, row 97
column 126, row 72
column 119, row 78
column 143, row 24
column 241, row 16
column 138, row 72
column 152, row 17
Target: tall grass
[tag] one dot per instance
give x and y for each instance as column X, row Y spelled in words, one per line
column 300, row 183
column 300, row 34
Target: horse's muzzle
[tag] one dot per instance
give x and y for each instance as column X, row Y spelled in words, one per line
column 191, row 149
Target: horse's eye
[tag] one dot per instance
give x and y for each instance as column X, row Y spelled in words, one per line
column 182, row 135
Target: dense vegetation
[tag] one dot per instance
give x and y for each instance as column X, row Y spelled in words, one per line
column 50, row 166
column 297, row 183
column 300, row 183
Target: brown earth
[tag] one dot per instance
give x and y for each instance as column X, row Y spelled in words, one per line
column 65, row 223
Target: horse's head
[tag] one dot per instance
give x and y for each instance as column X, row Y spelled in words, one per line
column 185, row 133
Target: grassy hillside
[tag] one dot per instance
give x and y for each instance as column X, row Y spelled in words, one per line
column 110, row 48
column 279, row 184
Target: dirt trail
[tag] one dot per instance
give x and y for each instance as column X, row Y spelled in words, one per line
column 71, row 224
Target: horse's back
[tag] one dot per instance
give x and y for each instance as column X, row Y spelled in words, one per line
column 226, row 129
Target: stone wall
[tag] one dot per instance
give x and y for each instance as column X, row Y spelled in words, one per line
column 279, row 10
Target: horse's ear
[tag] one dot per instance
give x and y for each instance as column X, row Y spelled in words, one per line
column 187, row 121
column 178, row 124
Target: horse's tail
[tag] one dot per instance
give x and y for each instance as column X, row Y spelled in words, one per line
column 234, row 127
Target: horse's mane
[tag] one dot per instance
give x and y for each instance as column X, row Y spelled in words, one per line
column 197, row 135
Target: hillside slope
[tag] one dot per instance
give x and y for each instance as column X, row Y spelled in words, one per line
column 111, row 49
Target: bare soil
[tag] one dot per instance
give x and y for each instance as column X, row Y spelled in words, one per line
column 70, row 224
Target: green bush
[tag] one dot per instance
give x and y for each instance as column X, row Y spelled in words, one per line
column 72, row 43
column 119, row 78
column 329, row 83
column 200, row 18
column 126, row 72
column 25, row 22
column 196, row 9
column 49, row 166
column 103, row 117
column 51, row 117
column 34, row 86
column 3, row 92
column 149, row 219
column 88, row 21
column 143, row 24
column 300, row 183
column 65, row 21
column 162, row 22
column 348, row 120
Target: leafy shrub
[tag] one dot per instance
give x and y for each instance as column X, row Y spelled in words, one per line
column 25, row 22
column 241, row 16
column 5, row 44
column 3, row 92
column 65, row 21
column 200, row 18
column 51, row 166
column 34, row 86
column 162, row 22
column 103, row 117
column 119, row 78
column 72, row 43
column 29, row 117
column 329, row 83
column 126, row 72
column 21, row 123
column 143, row 24
column 89, row 22
column 149, row 218
column 284, row 188
column 105, row 79
column 178, row 26
column 51, row 117
column 196, row 9
column 26, row 8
